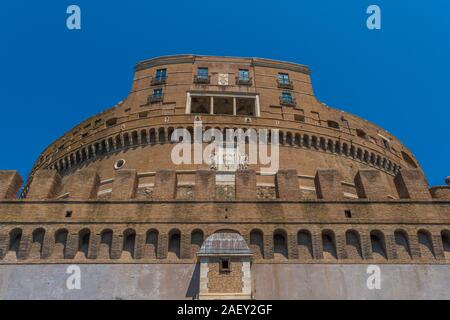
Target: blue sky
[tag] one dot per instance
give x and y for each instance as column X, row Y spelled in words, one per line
column 397, row 77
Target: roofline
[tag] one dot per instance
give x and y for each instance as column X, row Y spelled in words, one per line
column 191, row 58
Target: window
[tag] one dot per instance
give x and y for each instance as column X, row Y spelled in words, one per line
column 225, row 265
column 283, row 78
column 287, row 99
column 386, row 144
column 243, row 74
column 160, row 77
column 245, row 106
column 158, row 92
column 160, row 74
column 201, row 105
column 202, row 76
column 202, row 73
column 157, row 95
column 242, row 105
column 348, row 213
column 243, row 77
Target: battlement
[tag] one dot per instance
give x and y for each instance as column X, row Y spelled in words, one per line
column 192, row 185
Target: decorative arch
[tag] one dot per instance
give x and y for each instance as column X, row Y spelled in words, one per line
column 174, row 244
column 129, row 243
column 402, row 244
column 304, row 245
column 280, row 248
column 353, row 245
column 151, row 244
column 257, row 243
column 378, row 244
column 329, row 244
column 197, row 238
column 425, row 244
column 59, row 249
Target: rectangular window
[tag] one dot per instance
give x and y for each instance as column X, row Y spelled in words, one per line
column 225, row 265
column 161, row 74
column 243, row 74
column 283, row 78
column 202, row 73
column 286, row 97
column 157, row 93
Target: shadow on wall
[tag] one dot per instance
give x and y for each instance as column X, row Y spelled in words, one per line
column 193, row 288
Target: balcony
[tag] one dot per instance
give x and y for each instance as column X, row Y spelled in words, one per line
column 243, row 81
column 154, row 98
column 201, row 79
column 159, row 80
column 288, row 101
column 285, row 84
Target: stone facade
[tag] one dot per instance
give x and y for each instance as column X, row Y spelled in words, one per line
column 346, row 192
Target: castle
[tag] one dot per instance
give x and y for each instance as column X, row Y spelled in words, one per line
column 107, row 197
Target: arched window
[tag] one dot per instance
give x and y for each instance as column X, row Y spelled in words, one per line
column 330, row 146
column 169, row 134
column 59, row 250
column 257, row 243
column 304, row 245
column 425, row 244
column 323, row 144
column 134, row 138
column 378, row 245
column 151, row 244
column 152, row 136
column 402, row 244
column 37, row 243
column 306, row 141
column 118, row 142
column 144, row 139
column 329, row 245
column 281, row 137
column 289, row 139
column 366, row 157
column 196, row 241
column 345, row 149
column 161, row 135
column 106, row 238
column 15, row 237
column 83, row 243
column 174, row 244
column 129, row 241
column 337, row 147
column 359, row 154
column 280, row 245
column 353, row 245
column 314, row 142
column 297, row 140
column 446, row 243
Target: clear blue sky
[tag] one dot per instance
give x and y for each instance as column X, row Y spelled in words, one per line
column 398, row 77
